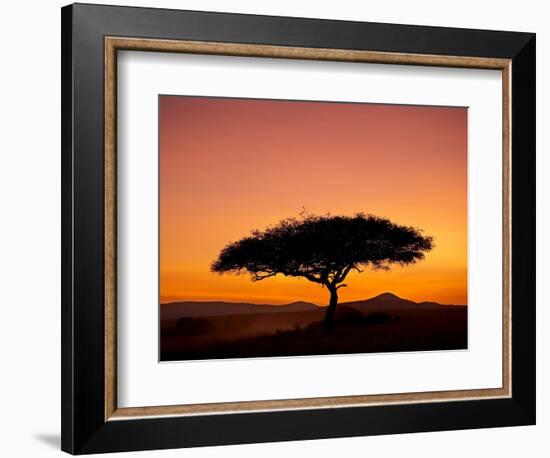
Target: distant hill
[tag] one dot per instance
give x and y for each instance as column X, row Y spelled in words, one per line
column 391, row 303
column 383, row 302
column 174, row 310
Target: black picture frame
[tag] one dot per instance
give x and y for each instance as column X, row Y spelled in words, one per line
column 84, row 427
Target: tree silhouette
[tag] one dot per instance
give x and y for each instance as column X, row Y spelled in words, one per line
column 324, row 250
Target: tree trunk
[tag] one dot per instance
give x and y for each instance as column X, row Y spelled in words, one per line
column 329, row 314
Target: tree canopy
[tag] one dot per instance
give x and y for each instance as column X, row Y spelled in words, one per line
column 323, row 249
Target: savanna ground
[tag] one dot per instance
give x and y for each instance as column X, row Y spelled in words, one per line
column 302, row 333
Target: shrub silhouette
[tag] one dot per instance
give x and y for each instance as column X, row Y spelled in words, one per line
column 347, row 314
column 378, row 318
column 324, row 250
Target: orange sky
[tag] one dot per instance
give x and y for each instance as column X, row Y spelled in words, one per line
column 228, row 166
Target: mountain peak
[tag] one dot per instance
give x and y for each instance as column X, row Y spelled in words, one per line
column 386, row 295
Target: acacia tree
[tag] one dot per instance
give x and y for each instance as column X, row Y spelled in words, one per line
column 324, row 250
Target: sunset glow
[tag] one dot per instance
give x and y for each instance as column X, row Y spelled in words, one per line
column 229, row 166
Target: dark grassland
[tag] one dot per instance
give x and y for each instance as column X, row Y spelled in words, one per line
column 413, row 327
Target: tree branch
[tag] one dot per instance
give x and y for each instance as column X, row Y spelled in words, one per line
column 310, row 277
column 345, row 273
column 258, row 277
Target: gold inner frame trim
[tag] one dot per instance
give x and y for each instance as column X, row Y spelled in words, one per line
column 114, row 44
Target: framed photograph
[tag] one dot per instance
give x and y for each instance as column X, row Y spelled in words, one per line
column 282, row 228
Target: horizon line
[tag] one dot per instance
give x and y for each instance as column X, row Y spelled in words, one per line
column 386, row 293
